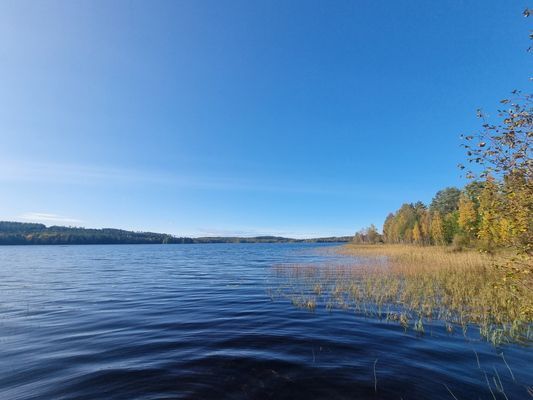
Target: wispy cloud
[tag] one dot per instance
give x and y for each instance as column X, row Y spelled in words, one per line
column 47, row 218
column 59, row 173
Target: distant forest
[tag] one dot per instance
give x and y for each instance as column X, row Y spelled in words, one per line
column 19, row 233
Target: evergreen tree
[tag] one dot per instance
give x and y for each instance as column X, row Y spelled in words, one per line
column 450, row 226
column 445, row 201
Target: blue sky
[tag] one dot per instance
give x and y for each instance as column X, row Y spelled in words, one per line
column 294, row 118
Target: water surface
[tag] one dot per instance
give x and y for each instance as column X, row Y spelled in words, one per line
column 197, row 322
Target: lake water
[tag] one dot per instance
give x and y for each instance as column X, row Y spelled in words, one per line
column 197, row 322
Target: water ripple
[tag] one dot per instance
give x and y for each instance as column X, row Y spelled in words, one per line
column 196, row 322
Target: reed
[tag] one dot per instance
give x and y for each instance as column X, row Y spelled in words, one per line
column 416, row 285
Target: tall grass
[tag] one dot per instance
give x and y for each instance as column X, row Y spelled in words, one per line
column 414, row 285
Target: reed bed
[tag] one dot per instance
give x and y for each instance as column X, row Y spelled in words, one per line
column 415, row 286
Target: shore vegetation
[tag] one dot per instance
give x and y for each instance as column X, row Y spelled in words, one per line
column 465, row 259
column 415, row 287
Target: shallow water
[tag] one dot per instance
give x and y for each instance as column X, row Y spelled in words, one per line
column 197, row 321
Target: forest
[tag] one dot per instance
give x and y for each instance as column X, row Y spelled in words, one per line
column 19, row 233
column 494, row 210
column 454, row 216
column 492, row 214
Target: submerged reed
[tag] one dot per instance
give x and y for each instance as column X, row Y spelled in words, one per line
column 413, row 286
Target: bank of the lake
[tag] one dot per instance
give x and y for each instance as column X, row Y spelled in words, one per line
column 463, row 288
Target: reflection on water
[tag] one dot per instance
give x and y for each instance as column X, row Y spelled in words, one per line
column 198, row 321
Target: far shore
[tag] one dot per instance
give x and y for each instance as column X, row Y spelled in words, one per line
column 20, row 233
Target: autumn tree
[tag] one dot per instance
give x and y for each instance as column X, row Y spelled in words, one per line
column 503, row 151
column 425, row 227
column 437, row 229
column 468, row 217
column 388, row 229
column 489, row 212
column 367, row 235
column 372, row 234
column 416, row 234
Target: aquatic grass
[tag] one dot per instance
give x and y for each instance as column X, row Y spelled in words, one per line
column 414, row 285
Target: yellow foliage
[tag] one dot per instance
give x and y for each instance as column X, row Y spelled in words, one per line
column 467, row 216
column 489, row 211
column 417, row 236
column 437, row 229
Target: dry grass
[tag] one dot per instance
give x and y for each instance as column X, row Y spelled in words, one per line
column 414, row 285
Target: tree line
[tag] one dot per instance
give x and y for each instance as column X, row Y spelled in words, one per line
column 494, row 210
column 20, row 233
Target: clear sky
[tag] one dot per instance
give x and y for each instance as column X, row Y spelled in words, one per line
column 294, row 118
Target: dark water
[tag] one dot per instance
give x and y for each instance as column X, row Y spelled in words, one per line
column 196, row 321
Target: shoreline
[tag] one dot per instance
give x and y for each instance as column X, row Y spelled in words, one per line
column 415, row 285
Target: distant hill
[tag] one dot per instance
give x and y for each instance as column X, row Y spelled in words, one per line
column 270, row 239
column 23, row 233
column 20, row 233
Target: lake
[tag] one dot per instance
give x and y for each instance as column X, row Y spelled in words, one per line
column 199, row 322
